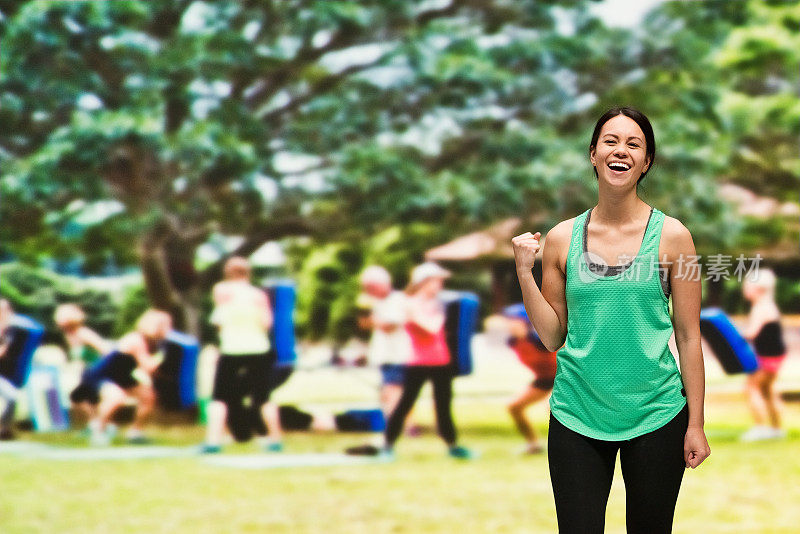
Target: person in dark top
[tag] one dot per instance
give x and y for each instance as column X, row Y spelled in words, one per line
column 125, row 372
column 764, row 331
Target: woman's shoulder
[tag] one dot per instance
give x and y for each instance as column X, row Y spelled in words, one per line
column 131, row 342
column 562, row 231
column 676, row 239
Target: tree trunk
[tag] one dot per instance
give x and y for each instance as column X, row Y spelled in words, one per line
column 169, row 286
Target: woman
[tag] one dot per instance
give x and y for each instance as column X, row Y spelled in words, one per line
column 617, row 386
column 125, row 372
column 765, row 332
column 243, row 315
column 84, row 346
column 430, row 358
column 390, row 344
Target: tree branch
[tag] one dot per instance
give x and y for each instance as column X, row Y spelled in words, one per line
column 344, row 38
column 323, row 85
column 292, row 226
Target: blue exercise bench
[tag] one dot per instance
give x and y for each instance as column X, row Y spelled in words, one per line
column 24, row 335
column 461, row 318
column 731, row 349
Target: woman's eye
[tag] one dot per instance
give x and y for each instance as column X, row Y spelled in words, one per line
column 633, row 145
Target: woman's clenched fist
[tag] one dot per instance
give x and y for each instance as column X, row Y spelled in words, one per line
column 525, row 248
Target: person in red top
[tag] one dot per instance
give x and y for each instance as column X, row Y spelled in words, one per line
column 538, row 359
column 430, row 359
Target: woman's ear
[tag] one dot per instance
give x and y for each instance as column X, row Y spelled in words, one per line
column 592, row 151
column 646, row 166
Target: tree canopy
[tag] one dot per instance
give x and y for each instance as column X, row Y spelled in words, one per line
column 136, row 131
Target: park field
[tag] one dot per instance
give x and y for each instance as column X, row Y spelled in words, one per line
column 741, row 487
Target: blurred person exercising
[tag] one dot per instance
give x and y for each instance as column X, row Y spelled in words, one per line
column 84, row 346
column 617, row 386
column 765, row 332
column 430, row 359
column 243, row 315
column 390, row 344
column 534, row 355
column 125, row 373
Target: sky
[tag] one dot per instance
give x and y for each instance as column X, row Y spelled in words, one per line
column 623, row 13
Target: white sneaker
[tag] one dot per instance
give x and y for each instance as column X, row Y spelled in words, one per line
column 758, row 433
column 98, row 438
column 778, row 433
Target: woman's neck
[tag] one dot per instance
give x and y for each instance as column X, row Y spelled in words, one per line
column 619, row 209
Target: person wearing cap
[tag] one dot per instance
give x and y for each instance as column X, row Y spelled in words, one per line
column 526, row 344
column 430, row 358
column 389, row 344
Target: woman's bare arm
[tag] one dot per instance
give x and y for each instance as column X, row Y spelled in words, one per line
column 264, row 304
column 546, row 308
column 686, row 297
column 89, row 337
column 135, row 345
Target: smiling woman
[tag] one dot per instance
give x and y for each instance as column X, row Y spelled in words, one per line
column 617, row 386
column 622, row 139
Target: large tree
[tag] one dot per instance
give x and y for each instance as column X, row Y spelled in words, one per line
column 138, row 129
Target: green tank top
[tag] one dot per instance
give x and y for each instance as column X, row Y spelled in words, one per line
column 616, row 377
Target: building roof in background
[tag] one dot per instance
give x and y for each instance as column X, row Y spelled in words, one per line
column 749, row 203
column 494, row 242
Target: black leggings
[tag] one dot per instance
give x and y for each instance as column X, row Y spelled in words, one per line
column 581, row 470
column 415, row 376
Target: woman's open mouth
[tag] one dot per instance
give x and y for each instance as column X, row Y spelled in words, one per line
column 619, row 167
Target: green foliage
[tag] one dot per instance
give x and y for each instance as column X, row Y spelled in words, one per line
column 133, row 127
column 36, row 292
column 328, row 280
column 134, row 303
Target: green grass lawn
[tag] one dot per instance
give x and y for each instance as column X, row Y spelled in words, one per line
column 741, row 488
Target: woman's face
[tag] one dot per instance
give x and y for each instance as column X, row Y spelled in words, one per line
column 431, row 287
column 751, row 291
column 620, row 155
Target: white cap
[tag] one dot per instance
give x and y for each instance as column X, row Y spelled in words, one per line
column 375, row 274
column 426, row 270
column 762, row 277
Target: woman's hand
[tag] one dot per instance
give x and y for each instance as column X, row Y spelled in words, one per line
column 525, row 248
column 695, row 447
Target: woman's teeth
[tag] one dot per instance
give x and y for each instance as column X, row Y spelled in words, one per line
column 619, row 167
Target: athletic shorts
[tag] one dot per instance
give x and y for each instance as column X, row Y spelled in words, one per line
column 393, row 373
column 771, row 364
column 85, row 392
column 545, row 383
column 241, row 376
